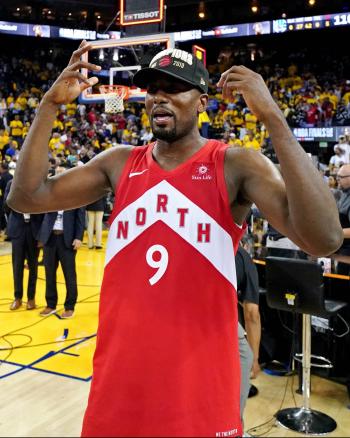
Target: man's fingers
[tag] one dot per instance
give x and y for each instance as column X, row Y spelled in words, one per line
column 230, row 87
column 233, row 85
column 89, row 83
column 82, row 64
column 83, row 48
column 238, row 69
column 77, row 75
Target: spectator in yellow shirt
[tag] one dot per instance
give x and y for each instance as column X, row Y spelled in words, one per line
column 346, row 98
column 16, row 129
column 21, row 102
column 250, row 121
column 237, row 119
column 234, row 141
column 4, row 139
column 144, row 119
column 203, row 124
column 58, row 126
column 71, row 109
column 25, row 130
column 55, row 144
column 250, row 142
column 218, row 122
column 9, row 100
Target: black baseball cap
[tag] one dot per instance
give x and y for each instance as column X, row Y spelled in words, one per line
column 178, row 64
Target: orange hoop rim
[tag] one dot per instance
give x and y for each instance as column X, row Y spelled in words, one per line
column 119, row 90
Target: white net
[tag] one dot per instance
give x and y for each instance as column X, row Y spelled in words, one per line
column 114, row 98
column 113, row 103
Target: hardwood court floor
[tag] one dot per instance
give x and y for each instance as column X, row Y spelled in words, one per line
column 44, row 388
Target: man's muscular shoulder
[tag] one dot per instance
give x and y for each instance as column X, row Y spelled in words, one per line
column 243, row 168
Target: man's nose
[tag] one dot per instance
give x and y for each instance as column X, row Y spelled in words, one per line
column 160, row 97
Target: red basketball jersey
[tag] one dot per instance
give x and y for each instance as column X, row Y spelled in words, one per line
column 166, row 361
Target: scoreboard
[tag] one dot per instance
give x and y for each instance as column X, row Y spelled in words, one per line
column 307, row 23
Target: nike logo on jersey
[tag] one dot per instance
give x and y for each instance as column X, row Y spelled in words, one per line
column 131, row 174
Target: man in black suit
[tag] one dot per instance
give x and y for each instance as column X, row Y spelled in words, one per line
column 22, row 230
column 5, row 177
column 61, row 234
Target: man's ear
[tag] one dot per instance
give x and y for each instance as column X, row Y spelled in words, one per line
column 203, row 103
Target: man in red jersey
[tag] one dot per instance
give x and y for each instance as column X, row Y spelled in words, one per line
column 166, row 360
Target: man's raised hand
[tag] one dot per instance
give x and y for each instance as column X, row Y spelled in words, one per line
column 240, row 79
column 71, row 82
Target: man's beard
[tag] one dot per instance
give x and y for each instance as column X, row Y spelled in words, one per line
column 164, row 134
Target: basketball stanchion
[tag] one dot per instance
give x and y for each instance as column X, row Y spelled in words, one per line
column 114, row 96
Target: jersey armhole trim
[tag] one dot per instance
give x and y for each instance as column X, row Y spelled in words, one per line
column 125, row 171
column 238, row 229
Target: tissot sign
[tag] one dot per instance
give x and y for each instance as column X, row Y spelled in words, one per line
column 140, row 11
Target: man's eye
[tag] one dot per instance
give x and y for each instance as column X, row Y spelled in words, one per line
column 151, row 89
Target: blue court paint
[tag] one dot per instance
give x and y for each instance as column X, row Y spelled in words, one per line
column 70, row 354
column 47, row 356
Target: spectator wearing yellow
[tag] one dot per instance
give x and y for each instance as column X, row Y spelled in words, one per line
column 58, row 125
column 332, row 97
column 218, row 122
column 126, row 136
column 71, row 109
column 238, row 120
column 203, row 124
column 346, row 98
column 21, row 102
column 4, row 139
column 68, row 123
column 229, row 112
column 95, row 143
column 297, row 83
column 145, row 123
column 259, row 139
column 250, row 121
column 55, row 144
column 25, row 130
column 10, row 100
column 311, row 98
column 250, row 142
column 16, row 129
column 234, row 141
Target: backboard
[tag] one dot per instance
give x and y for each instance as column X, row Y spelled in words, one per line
column 120, row 59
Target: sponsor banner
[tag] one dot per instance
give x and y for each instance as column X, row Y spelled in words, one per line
column 76, row 34
column 329, row 134
column 154, row 13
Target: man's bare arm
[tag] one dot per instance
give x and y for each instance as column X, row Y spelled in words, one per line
column 32, row 190
column 252, row 326
column 300, row 206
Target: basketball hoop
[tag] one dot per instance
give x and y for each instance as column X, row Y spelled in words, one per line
column 114, row 96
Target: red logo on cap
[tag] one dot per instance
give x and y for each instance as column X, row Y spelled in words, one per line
column 164, row 62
